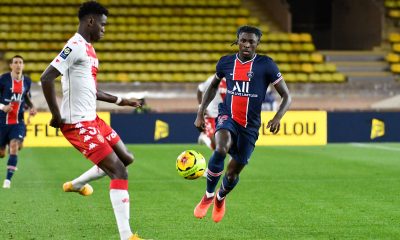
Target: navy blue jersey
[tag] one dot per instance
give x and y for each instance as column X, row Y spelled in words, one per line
column 13, row 92
column 247, row 83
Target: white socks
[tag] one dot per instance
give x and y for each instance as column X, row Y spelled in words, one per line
column 92, row 174
column 120, row 202
column 209, row 195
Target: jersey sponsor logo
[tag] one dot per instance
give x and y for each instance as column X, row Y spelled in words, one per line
column 16, row 97
column 111, row 136
column 241, row 87
column 65, row 52
column 78, row 125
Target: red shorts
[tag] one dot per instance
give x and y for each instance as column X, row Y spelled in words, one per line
column 210, row 126
column 94, row 139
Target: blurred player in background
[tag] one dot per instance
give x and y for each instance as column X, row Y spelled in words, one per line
column 269, row 102
column 78, row 120
column 14, row 90
column 248, row 76
column 207, row 136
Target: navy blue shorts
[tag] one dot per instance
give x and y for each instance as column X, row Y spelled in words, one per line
column 243, row 140
column 12, row 131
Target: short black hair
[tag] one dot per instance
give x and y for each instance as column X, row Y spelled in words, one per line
column 91, row 7
column 16, row 56
column 249, row 29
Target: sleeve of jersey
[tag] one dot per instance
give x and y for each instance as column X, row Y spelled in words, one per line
column 274, row 75
column 219, row 70
column 65, row 58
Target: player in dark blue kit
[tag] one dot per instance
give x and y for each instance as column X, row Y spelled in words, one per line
column 248, row 76
column 14, row 94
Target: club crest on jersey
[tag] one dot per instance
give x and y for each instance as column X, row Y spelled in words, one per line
column 250, row 74
column 65, row 52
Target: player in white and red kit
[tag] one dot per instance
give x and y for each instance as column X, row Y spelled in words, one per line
column 78, row 121
column 207, row 136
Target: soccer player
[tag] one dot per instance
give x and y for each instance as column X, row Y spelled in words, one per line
column 14, row 90
column 247, row 78
column 207, row 135
column 78, row 121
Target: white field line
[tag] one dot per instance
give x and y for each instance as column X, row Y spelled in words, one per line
column 363, row 145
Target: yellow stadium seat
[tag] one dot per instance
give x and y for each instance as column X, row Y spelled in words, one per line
column 307, row 68
column 287, row 47
column 395, row 68
column 304, row 57
column 301, row 77
column 393, row 58
column 294, row 57
column 394, row 13
column 338, row 77
column 394, row 37
column 35, row 76
column 317, row 58
column 290, row 77
column 326, row 77
column 330, row 67
column 122, row 77
column 308, row 47
column 315, row 77
column 296, row 67
column 284, row 67
column 294, row 37
column 305, row 37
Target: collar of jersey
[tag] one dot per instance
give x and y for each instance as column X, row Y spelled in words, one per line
column 22, row 78
column 80, row 36
column 237, row 57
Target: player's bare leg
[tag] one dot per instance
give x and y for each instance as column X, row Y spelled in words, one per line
column 214, row 171
column 80, row 184
column 229, row 181
column 12, row 161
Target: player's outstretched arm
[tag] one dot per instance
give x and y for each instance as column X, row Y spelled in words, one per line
column 47, row 79
column 105, row 97
column 274, row 124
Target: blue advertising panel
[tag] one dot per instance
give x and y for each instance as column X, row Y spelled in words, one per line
column 363, row 126
column 155, row 128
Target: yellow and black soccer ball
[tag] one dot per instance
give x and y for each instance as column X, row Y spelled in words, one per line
column 190, row 164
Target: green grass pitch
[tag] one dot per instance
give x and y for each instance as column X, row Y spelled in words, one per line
column 338, row 191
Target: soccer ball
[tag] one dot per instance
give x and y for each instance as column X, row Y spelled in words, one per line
column 190, row 164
